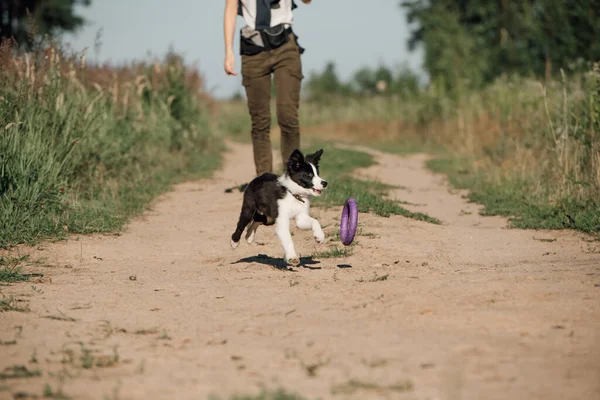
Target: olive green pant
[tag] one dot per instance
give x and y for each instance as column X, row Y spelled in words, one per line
column 284, row 62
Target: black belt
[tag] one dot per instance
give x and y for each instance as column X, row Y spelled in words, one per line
column 272, row 38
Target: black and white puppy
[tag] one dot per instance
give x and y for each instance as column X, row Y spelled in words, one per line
column 274, row 200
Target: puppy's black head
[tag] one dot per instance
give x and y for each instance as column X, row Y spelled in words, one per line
column 305, row 171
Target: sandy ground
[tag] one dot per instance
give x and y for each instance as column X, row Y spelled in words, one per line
column 167, row 310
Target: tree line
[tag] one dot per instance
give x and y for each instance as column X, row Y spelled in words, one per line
column 20, row 20
column 475, row 41
column 470, row 43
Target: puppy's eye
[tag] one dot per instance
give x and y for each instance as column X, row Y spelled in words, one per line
column 310, row 174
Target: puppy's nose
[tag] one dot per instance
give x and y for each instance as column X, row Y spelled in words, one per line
column 324, row 183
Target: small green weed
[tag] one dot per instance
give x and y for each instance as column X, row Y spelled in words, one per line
column 83, row 357
column 10, row 304
column 353, row 385
column 334, row 252
column 369, row 235
column 149, row 331
column 18, row 372
column 335, row 235
column 311, row 369
column 378, row 278
column 37, row 290
column 13, row 342
column 61, row 317
column 56, row 395
column 268, row 395
column 89, row 360
column 545, row 240
column 10, row 269
column 8, row 342
column 375, row 278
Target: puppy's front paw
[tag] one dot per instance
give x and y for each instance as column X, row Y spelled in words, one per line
column 234, row 244
column 294, row 261
column 319, row 236
column 250, row 237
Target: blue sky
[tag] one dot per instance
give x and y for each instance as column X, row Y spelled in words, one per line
column 352, row 33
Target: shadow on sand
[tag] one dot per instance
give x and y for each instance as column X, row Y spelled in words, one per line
column 279, row 263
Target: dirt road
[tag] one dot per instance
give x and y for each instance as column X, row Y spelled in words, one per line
column 167, row 310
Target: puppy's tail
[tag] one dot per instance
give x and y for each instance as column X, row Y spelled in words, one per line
column 246, row 216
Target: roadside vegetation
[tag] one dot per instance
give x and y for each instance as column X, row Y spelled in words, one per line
column 516, row 125
column 83, row 148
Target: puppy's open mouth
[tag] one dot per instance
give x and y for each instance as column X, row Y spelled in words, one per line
column 317, row 191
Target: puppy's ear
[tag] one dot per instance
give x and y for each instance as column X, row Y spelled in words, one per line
column 315, row 157
column 295, row 161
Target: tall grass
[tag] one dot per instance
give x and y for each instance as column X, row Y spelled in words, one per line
column 528, row 150
column 83, row 148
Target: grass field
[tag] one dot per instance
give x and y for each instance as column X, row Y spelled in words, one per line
column 526, row 149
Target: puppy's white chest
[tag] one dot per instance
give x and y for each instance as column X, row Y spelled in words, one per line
column 291, row 206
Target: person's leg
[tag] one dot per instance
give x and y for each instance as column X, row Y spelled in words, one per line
column 288, row 79
column 256, row 78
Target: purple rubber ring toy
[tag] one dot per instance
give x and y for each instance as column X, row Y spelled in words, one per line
column 349, row 221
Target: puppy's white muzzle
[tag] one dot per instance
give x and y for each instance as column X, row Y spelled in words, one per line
column 318, row 185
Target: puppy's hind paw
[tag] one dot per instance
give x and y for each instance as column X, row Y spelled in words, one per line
column 234, row 244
